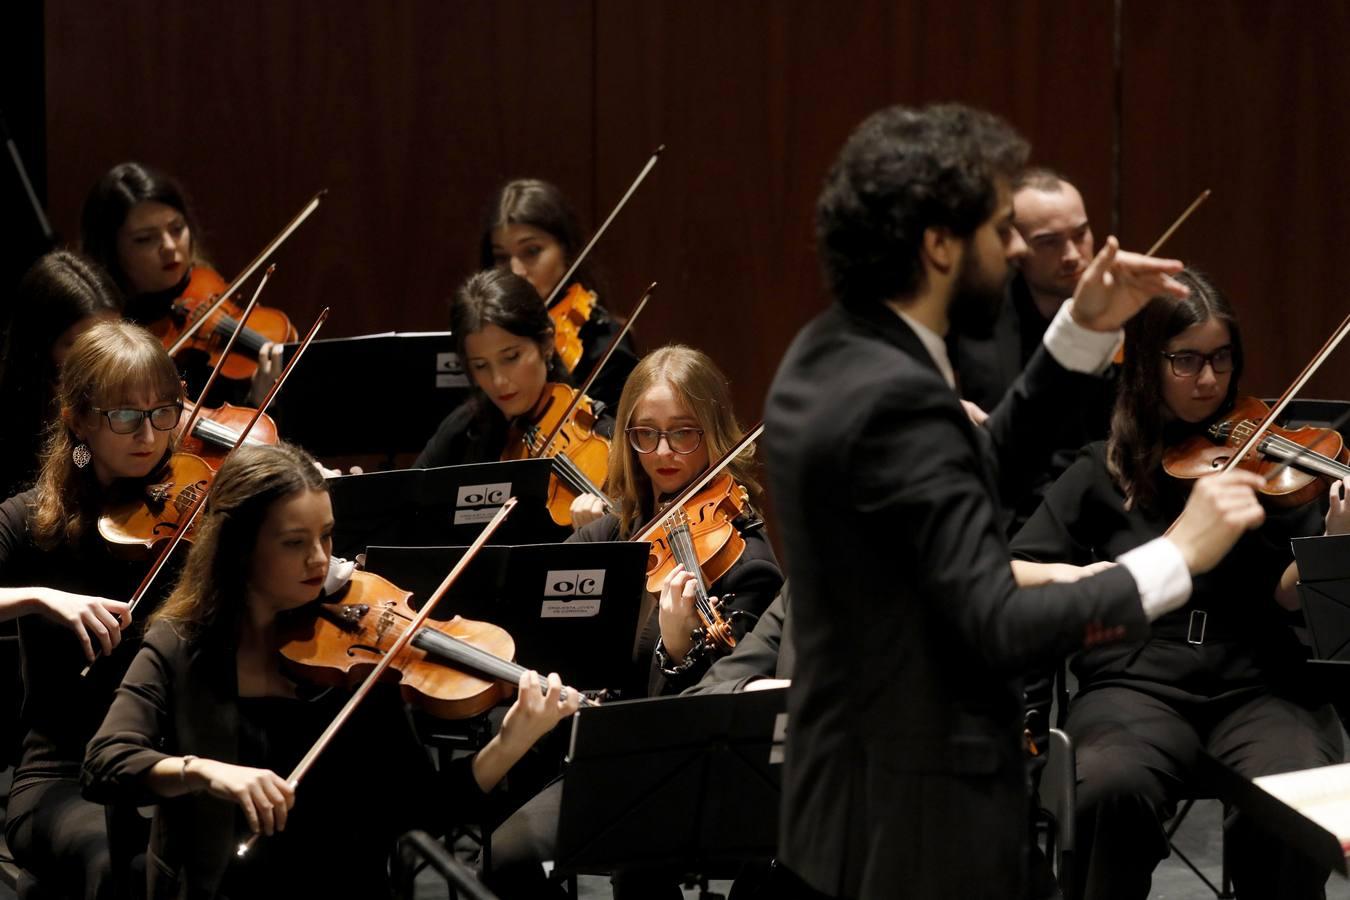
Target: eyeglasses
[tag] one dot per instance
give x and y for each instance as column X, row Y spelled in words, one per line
column 1188, row 363
column 125, row 420
column 681, row 440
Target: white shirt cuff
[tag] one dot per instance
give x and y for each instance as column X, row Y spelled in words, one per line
column 1080, row 349
column 1160, row 572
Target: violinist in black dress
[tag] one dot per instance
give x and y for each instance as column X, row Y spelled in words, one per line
column 903, row 773
column 1222, row 674
column 121, row 399
column 206, row 720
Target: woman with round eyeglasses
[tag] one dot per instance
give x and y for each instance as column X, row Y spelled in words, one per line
column 1224, row 674
column 677, row 416
column 119, row 399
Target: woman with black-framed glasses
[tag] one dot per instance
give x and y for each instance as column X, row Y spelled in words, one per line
column 119, row 399
column 677, row 418
column 1222, row 674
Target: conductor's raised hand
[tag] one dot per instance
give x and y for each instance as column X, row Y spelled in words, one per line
column 1117, row 284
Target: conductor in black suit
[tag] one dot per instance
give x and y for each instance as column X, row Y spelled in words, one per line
column 903, row 775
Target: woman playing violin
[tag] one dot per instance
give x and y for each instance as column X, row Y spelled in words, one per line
column 139, row 225
column 505, row 340
column 119, row 398
column 533, row 231
column 677, row 416
column 1220, row 674
column 207, row 717
column 62, row 296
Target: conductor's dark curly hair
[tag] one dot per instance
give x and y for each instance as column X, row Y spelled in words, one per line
column 902, row 171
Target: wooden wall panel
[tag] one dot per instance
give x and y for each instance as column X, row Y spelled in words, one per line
column 409, row 113
column 754, row 101
column 1251, row 99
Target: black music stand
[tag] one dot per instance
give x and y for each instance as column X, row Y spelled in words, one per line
column 447, row 505
column 375, row 393
column 1324, row 587
column 687, row 782
column 571, row 608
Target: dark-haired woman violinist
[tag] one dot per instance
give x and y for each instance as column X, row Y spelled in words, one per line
column 505, row 339
column 120, row 399
column 1222, row 674
column 139, row 224
column 206, row 717
column 531, row 230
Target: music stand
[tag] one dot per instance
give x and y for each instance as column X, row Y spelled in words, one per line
column 1324, row 587
column 371, row 394
column 691, row 782
column 446, row 505
column 571, row 608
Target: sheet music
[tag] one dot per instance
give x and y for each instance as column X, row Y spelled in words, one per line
column 1321, row 794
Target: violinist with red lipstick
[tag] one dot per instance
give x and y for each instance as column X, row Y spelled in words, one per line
column 677, row 417
column 138, row 224
column 119, row 399
column 505, row 339
column 1222, row 673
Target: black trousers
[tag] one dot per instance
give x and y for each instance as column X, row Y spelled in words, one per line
column 1136, row 756
column 61, row 838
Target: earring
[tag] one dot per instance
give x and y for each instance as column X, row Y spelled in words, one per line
column 81, row 455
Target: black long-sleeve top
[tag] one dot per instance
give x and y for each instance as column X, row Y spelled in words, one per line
column 61, row 710
column 1247, row 641
column 373, row 782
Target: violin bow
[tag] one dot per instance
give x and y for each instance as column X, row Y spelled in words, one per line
column 307, row 762
column 1298, row 384
column 200, row 499
column 224, row 354
column 698, row 484
column 1195, row 204
column 595, row 373
column 252, row 267
column 623, row 201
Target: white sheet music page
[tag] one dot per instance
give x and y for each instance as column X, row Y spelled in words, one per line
column 1321, row 794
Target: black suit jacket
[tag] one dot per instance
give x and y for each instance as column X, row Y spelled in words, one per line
column 903, row 773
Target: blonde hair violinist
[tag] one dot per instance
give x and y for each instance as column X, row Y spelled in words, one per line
column 676, row 418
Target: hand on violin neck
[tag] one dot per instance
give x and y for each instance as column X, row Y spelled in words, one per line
column 268, row 371
column 1220, row 509
column 677, row 616
column 1117, row 284
column 586, row 508
column 1338, row 510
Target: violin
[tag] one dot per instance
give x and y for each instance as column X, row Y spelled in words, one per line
column 701, row 535
column 136, row 526
column 1297, row 463
column 205, row 286
column 215, row 431
column 569, row 314
column 562, row 428
column 337, row 641
column 709, row 506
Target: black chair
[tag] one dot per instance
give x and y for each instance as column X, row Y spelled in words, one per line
column 416, row 849
column 1057, row 798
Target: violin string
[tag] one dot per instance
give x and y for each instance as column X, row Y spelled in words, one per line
column 1335, row 427
column 1300, row 453
column 682, row 547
